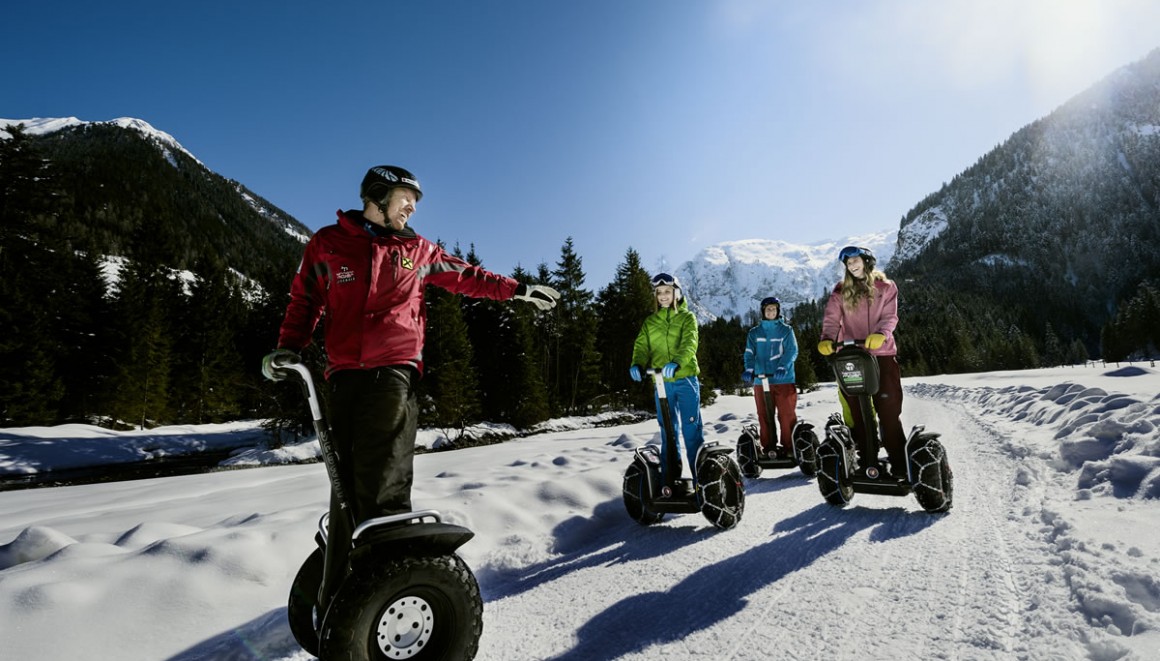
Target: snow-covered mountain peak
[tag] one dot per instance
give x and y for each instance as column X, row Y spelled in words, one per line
column 43, row 125
column 730, row 279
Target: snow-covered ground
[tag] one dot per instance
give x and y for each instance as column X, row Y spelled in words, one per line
column 1052, row 550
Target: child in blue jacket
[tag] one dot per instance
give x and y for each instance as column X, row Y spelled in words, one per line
column 771, row 349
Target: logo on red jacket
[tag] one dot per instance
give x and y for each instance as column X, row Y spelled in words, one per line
column 345, row 275
column 407, row 263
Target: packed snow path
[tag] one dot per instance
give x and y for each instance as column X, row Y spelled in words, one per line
column 811, row 581
column 1051, row 551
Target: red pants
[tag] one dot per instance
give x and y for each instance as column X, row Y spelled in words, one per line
column 785, row 406
column 888, row 406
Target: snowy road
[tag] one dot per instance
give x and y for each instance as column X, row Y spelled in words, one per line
column 809, row 580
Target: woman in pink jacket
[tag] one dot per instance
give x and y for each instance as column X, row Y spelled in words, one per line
column 864, row 306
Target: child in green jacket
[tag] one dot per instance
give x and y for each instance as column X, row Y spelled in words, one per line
column 668, row 340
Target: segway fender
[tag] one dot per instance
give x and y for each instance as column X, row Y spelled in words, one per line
column 711, row 449
column 414, row 539
column 650, row 454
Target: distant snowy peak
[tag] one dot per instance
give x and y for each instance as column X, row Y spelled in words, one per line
column 730, row 279
column 43, row 125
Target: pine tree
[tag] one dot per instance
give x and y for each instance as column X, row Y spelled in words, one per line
column 1135, row 329
column 148, row 299
column 207, row 377
column 30, row 386
column 622, row 308
column 806, row 318
column 1053, row 352
column 450, row 386
column 576, row 381
column 81, row 315
column 509, row 384
column 525, row 370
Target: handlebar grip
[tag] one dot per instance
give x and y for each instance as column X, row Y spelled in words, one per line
column 284, row 361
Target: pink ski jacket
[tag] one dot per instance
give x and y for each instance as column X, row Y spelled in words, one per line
column 875, row 315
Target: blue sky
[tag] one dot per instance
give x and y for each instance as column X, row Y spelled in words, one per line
column 662, row 125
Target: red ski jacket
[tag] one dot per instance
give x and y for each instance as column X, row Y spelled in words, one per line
column 370, row 289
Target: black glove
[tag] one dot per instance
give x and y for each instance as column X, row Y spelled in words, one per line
column 541, row 296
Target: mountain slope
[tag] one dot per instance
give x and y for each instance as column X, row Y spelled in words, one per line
column 1060, row 222
column 123, row 188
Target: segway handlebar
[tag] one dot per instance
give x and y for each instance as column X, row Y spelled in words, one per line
column 294, row 364
column 847, row 344
column 658, row 381
column 291, row 363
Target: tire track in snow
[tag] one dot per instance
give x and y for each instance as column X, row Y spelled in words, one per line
column 800, row 579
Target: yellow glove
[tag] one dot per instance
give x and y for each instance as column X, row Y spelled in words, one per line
column 825, row 347
column 875, row 340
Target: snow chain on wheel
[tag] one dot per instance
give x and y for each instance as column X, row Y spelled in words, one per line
column 832, row 481
column 722, row 493
column 747, row 454
column 633, row 492
column 805, row 443
column 934, row 484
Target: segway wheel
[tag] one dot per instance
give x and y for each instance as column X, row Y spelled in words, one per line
column 747, row 456
column 411, row 607
column 832, row 481
column 934, row 483
column 634, row 492
column 722, row 492
column 303, row 599
column 805, row 443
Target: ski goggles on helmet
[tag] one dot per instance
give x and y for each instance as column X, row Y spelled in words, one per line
column 853, row 251
column 663, row 279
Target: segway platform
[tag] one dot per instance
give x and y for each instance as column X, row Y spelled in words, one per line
column 927, row 473
column 390, row 588
column 717, row 493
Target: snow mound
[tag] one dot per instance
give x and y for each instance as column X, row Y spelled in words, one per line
column 1110, row 440
column 35, row 543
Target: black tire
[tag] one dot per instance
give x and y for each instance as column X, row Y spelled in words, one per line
column 805, row 443
column 747, row 456
column 934, row 484
column 832, row 482
column 722, row 492
column 635, row 494
column 411, row 607
column 303, row 599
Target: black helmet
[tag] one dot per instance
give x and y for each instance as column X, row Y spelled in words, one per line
column 670, row 280
column 379, row 181
column 767, row 301
column 866, row 254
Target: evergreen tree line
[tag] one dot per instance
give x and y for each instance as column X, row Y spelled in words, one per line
column 158, row 350
column 1135, row 330
column 155, row 349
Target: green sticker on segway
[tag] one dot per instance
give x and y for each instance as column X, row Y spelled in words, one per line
column 852, row 376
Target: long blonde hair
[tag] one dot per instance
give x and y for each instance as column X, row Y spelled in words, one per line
column 854, row 291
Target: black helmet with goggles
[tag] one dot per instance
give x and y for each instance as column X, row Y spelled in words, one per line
column 665, row 279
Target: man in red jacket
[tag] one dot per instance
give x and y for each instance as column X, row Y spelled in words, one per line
column 366, row 275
